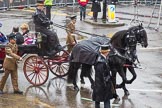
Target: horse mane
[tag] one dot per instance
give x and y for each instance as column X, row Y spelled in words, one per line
column 118, row 39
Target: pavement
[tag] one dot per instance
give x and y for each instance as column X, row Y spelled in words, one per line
column 140, row 14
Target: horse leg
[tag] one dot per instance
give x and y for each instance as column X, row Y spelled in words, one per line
column 72, row 76
column 131, row 69
column 91, row 80
column 86, row 72
column 115, row 95
column 122, row 73
column 82, row 75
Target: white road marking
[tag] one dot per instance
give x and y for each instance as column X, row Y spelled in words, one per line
column 146, row 90
column 152, row 48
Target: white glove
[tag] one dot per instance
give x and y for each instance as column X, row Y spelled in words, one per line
column 20, row 59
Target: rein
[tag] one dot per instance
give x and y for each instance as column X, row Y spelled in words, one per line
column 65, row 28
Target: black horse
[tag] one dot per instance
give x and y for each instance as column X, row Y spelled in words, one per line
column 125, row 43
column 85, row 54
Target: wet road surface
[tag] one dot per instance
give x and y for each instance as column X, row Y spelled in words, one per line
column 145, row 91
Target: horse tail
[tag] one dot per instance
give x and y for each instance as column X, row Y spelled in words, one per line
column 72, row 72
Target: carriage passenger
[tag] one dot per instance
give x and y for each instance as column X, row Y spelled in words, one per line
column 103, row 89
column 19, row 37
column 29, row 38
column 42, row 24
column 3, row 38
column 10, row 65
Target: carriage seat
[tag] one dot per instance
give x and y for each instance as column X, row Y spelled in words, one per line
column 29, row 49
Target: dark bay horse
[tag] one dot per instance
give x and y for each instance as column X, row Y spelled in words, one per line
column 84, row 55
column 122, row 42
column 125, row 42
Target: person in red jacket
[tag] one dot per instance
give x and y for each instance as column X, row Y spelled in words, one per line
column 82, row 7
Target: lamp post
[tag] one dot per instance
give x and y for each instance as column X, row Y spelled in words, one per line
column 104, row 17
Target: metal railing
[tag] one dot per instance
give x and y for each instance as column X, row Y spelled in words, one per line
column 9, row 4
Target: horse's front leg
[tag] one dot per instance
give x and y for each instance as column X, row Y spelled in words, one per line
column 91, row 81
column 82, row 77
column 115, row 95
column 131, row 69
column 122, row 73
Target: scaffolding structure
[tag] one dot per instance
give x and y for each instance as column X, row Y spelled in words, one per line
column 156, row 13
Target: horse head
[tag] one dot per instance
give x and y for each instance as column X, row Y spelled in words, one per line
column 140, row 35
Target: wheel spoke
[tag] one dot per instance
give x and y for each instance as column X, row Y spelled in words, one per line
column 32, row 77
column 53, row 67
column 30, row 74
column 41, row 76
column 62, row 70
column 29, row 66
column 36, row 79
column 64, row 67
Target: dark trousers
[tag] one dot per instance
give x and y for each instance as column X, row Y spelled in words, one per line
column 52, row 38
column 82, row 14
column 95, row 15
column 106, row 104
column 48, row 11
column 104, row 9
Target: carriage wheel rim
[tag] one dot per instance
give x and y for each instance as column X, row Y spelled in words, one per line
column 59, row 67
column 37, row 72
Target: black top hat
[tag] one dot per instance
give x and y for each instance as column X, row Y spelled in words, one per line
column 40, row 1
column 105, row 48
column 73, row 17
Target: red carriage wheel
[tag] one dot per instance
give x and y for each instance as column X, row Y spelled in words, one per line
column 35, row 70
column 59, row 65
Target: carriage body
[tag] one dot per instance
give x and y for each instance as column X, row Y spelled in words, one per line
column 36, row 67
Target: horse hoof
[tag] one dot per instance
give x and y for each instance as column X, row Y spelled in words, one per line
column 125, row 97
column 116, row 101
column 127, row 93
column 76, row 88
column 92, row 86
column 82, row 81
column 129, row 82
column 118, row 86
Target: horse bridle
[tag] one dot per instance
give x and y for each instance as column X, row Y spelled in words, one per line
column 140, row 37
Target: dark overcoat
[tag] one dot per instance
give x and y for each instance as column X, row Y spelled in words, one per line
column 96, row 7
column 103, row 89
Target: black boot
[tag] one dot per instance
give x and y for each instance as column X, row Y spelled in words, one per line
column 18, row 92
column 51, row 53
column 59, row 48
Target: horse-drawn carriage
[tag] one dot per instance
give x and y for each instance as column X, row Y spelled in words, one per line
column 37, row 66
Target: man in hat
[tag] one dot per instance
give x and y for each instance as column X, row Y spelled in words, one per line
column 10, row 65
column 70, row 40
column 102, row 91
column 96, row 7
column 42, row 24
